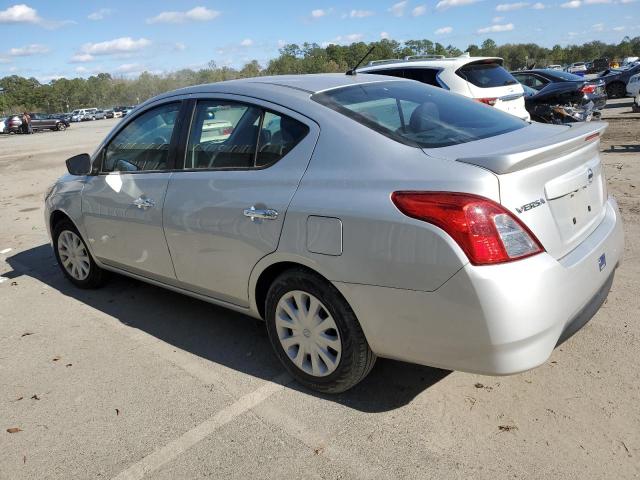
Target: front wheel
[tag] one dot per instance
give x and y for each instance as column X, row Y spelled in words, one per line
column 61, row 127
column 315, row 334
column 74, row 257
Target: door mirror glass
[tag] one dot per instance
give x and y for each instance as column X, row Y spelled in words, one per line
column 79, row 165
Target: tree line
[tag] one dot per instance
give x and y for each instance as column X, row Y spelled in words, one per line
column 104, row 90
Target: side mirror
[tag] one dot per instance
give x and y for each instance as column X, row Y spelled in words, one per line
column 79, row 165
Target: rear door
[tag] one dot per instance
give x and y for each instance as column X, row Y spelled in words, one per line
column 243, row 162
column 122, row 205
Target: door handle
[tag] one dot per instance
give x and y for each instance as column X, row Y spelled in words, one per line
column 266, row 214
column 144, row 203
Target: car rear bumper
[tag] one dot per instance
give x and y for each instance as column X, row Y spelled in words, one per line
column 496, row 320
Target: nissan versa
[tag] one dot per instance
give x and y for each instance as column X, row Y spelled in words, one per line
column 359, row 216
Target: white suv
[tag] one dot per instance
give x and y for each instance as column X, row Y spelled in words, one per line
column 481, row 78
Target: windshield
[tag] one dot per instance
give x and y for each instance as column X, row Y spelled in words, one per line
column 418, row 115
column 486, row 75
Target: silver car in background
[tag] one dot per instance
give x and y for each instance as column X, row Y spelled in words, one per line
column 359, row 216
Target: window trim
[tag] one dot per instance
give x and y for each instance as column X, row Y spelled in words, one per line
column 184, row 142
column 173, row 142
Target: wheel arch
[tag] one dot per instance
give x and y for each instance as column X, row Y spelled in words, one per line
column 268, row 269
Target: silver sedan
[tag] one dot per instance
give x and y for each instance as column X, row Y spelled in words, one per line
column 359, row 216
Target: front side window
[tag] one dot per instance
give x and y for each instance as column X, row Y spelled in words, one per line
column 229, row 135
column 486, row 75
column 417, row 114
column 144, row 143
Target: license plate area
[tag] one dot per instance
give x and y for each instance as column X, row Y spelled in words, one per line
column 576, row 212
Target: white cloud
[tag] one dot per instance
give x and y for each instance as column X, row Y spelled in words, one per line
column 247, row 42
column 19, row 14
column 128, row 68
column 319, row 13
column 29, row 50
column 444, row 30
column 572, row 4
column 384, row 35
column 507, row 27
column 618, row 29
column 598, row 27
column 596, row 2
column 397, row 9
column 118, row 45
column 100, row 14
column 81, row 58
column 628, row 1
column 497, row 19
column 281, row 43
column 508, row 7
column 538, row 6
column 180, row 46
column 445, row 4
column 197, row 14
column 361, row 13
column 419, row 11
column 341, row 39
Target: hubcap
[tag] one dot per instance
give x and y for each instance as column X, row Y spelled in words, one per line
column 73, row 255
column 308, row 334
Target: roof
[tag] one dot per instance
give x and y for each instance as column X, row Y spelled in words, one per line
column 452, row 62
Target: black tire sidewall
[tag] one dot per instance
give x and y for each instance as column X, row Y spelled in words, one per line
column 346, row 321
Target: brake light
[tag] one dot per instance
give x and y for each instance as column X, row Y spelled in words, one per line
column 227, row 131
column 588, row 89
column 486, row 232
column 487, row 101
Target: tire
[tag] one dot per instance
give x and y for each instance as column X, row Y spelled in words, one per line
column 616, row 90
column 64, row 232
column 61, row 127
column 351, row 360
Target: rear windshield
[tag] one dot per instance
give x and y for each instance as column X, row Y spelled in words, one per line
column 564, row 75
column 418, row 115
column 486, row 75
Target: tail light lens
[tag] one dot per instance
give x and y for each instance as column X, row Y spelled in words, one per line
column 486, row 232
column 487, row 101
column 588, row 89
column 227, row 131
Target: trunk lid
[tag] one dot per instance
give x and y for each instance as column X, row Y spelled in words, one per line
column 554, row 183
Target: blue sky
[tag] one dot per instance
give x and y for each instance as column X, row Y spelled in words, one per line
column 49, row 39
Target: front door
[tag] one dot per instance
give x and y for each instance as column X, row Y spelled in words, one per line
column 122, row 205
column 225, row 210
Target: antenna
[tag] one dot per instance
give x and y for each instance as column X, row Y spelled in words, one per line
column 353, row 70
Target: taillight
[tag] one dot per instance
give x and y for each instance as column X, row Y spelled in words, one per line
column 486, row 232
column 487, row 101
column 588, row 89
column 227, row 131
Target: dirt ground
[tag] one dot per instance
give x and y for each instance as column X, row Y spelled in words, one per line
column 132, row 381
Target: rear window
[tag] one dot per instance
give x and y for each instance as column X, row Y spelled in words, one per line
column 418, row 115
column 486, row 75
column 564, row 75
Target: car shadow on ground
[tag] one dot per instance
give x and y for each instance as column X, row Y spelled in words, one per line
column 623, row 148
column 217, row 334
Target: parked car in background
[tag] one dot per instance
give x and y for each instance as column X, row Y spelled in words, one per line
column 598, row 65
column 2, row 124
column 495, row 238
column 99, row 115
column 629, row 61
column 13, row 124
column 127, row 110
column 616, row 80
column 577, row 67
column 42, row 121
column 82, row 114
column 562, row 88
column 108, row 113
column 633, row 90
column 481, row 78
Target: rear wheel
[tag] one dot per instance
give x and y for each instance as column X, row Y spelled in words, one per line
column 61, row 127
column 315, row 333
column 74, row 258
column 616, row 90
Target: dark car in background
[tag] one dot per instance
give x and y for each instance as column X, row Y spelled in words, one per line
column 43, row 121
column 616, row 80
column 564, row 88
column 13, row 124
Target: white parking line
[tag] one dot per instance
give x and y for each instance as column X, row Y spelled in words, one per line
column 181, row 444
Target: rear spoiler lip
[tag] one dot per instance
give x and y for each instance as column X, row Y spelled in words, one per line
column 523, row 156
